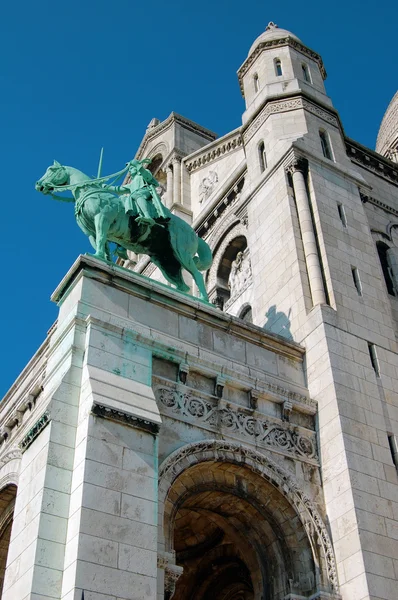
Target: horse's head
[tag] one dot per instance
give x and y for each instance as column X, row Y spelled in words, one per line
column 56, row 175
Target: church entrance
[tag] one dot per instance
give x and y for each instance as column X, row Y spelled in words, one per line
column 210, row 544
column 236, row 536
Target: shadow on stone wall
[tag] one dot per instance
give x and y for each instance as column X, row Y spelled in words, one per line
column 278, row 322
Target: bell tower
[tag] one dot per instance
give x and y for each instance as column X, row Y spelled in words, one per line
column 316, row 276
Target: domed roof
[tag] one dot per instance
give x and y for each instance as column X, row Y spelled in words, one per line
column 272, row 32
column 387, row 139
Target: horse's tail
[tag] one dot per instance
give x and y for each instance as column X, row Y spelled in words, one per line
column 204, row 258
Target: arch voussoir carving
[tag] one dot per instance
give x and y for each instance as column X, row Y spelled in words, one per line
column 223, row 451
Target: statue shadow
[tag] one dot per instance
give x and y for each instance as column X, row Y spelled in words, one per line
column 278, row 322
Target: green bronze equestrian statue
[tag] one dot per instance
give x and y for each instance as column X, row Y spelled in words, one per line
column 132, row 216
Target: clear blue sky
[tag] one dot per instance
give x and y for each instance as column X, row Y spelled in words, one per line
column 82, row 74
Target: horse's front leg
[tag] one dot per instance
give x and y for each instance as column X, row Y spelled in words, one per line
column 102, row 222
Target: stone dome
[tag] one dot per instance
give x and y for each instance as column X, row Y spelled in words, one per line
column 272, row 32
column 387, row 139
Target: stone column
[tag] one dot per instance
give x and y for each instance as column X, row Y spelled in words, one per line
column 169, row 195
column 177, row 180
column 307, row 232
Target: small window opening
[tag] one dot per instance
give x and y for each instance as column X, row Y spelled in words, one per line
column 278, row 67
column 256, row 83
column 306, row 73
column 373, row 358
column 357, row 281
column 262, row 157
column 382, row 250
column 342, row 214
column 325, row 143
column 392, row 441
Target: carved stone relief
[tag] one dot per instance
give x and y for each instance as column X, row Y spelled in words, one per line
column 262, row 430
column 240, row 276
column 265, row 466
column 207, row 185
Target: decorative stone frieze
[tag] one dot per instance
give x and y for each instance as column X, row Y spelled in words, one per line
column 280, row 106
column 218, row 150
column 372, row 161
column 367, row 198
column 117, row 415
column 264, row 431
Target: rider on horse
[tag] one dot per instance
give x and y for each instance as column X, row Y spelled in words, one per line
column 141, row 196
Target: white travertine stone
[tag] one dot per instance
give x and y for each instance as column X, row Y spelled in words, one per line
column 307, row 233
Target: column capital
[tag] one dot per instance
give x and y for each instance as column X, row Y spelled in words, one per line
column 298, row 163
column 176, row 159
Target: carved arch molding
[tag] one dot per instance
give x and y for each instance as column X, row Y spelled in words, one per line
column 222, row 451
column 238, row 230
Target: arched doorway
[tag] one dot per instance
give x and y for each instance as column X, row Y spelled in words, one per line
column 234, row 530
column 7, row 502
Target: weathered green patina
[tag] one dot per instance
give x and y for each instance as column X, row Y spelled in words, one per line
column 133, row 216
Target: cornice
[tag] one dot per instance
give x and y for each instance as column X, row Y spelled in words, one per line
column 112, row 414
column 286, row 41
column 372, row 161
column 275, row 106
column 163, row 295
column 366, row 198
column 173, row 118
column 230, row 142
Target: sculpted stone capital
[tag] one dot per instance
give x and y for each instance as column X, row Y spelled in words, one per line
column 176, row 160
column 298, row 164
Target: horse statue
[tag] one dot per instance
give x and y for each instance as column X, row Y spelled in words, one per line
column 170, row 242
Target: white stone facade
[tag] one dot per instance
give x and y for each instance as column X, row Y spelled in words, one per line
column 158, row 447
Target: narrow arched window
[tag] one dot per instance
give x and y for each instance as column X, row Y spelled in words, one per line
column 382, row 250
column 278, row 67
column 256, row 83
column 246, row 314
column 306, row 73
column 262, row 157
column 325, row 143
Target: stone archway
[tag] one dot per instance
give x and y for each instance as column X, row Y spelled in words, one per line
column 241, row 527
column 7, row 503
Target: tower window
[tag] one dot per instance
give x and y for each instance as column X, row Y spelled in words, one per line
column 256, row 83
column 342, row 215
column 306, row 73
column 357, row 281
column 373, row 358
column 325, row 143
column 262, row 157
column 278, row 67
column 382, row 250
column 392, row 441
